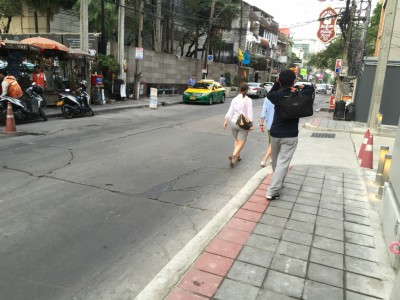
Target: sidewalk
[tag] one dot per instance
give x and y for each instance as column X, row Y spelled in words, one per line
column 321, row 240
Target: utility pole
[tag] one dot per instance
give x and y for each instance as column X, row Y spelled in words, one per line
column 383, row 56
column 157, row 35
column 209, row 37
column 364, row 36
column 138, row 66
column 121, row 39
column 84, row 26
column 339, row 90
column 103, row 46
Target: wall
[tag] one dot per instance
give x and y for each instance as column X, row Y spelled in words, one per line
column 390, row 105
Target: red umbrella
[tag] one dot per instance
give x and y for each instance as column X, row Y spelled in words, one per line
column 45, row 44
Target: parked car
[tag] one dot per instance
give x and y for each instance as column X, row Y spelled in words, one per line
column 268, row 85
column 205, row 91
column 306, row 83
column 256, row 89
column 321, row 88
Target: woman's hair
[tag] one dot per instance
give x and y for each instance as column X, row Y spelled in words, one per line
column 243, row 88
column 287, row 78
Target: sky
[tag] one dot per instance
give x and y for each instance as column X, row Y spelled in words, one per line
column 294, row 13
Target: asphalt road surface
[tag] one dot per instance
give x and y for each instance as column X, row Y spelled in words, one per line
column 95, row 207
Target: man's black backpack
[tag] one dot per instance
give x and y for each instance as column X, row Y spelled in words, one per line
column 296, row 105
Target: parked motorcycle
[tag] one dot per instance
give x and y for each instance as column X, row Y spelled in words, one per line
column 75, row 105
column 35, row 91
column 26, row 108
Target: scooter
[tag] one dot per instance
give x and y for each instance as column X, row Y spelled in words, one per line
column 36, row 91
column 27, row 109
column 75, row 105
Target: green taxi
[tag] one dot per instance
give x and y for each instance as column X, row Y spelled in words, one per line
column 205, row 91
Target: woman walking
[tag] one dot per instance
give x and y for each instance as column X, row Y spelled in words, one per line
column 241, row 104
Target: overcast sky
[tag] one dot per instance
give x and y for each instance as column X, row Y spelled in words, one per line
column 295, row 13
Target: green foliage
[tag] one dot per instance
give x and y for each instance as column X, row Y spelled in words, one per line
column 326, row 59
column 228, row 79
column 8, row 9
column 50, row 7
column 373, row 28
column 106, row 63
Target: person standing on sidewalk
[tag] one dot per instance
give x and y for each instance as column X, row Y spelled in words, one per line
column 241, row 104
column 267, row 115
column 192, row 81
column 284, row 132
column 222, row 80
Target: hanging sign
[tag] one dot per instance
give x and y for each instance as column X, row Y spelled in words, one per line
column 139, row 53
column 338, row 65
column 327, row 25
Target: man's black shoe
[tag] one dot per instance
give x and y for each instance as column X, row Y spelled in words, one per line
column 274, row 197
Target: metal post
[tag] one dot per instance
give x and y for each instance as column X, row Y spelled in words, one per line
column 138, row 67
column 209, row 36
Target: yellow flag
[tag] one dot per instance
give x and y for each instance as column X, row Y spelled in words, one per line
column 240, row 55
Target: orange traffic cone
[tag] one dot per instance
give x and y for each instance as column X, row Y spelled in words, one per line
column 366, row 161
column 10, row 122
column 365, row 141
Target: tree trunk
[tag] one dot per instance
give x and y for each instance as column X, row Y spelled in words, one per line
column 171, row 28
column 196, row 46
column 157, row 38
column 36, row 21
column 48, row 19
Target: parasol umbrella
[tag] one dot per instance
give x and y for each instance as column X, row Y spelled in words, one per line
column 7, row 45
column 45, row 44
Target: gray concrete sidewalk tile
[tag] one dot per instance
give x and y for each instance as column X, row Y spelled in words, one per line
column 327, row 258
column 319, row 291
column 331, row 233
column 247, row 273
column 328, row 222
column 308, row 183
column 281, row 204
column 292, row 186
column 302, row 168
column 294, row 176
column 273, row 220
column 359, row 239
column 262, row 242
column 363, row 229
column 315, row 175
column 331, row 206
column 333, row 214
column 311, row 189
column 284, row 284
column 354, row 185
column 363, row 267
column 309, row 202
column 356, row 197
column 256, row 256
column 348, row 191
column 268, row 230
column 231, row 289
column 332, row 199
column 289, row 265
column 333, row 192
column 357, row 219
column 271, row 295
column 298, row 172
column 356, row 296
column 286, row 191
column 287, row 198
column 366, row 285
column 357, row 211
column 328, row 244
column 300, row 226
column 279, row 212
column 361, row 252
column 354, row 203
column 325, row 275
column 297, row 237
column 313, row 179
column 309, row 195
column 293, row 180
column 303, row 217
column 293, row 250
column 305, row 209
column 335, row 188
column 334, row 178
column 333, row 183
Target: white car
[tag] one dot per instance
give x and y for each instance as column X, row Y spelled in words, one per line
column 268, row 85
column 256, row 89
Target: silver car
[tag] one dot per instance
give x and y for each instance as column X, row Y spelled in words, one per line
column 321, row 88
column 256, row 89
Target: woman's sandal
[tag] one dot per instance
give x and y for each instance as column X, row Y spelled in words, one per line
column 232, row 160
column 238, row 158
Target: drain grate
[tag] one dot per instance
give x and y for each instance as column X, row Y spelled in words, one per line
column 324, row 135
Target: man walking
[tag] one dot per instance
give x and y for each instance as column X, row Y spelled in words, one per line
column 284, row 132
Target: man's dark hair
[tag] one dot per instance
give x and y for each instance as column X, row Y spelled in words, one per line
column 4, row 72
column 287, row 78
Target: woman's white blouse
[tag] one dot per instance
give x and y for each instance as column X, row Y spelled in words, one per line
column 240, row 105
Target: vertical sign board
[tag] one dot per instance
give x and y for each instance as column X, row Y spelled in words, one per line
column 153, row 98
column 139, row 53
column 338, row 65
column 327, row 25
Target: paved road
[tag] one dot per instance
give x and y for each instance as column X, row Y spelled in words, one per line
column 93, row 208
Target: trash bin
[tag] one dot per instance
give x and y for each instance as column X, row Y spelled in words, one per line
column 340, row 110
column 350, row 112
column 117, row 88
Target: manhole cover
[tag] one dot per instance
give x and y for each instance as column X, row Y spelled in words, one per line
column 324, row 135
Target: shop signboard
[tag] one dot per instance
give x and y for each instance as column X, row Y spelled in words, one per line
column 327, row 25
column 139, row 53
column 74, row 41
column 338, row 65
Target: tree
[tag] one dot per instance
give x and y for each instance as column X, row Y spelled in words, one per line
column 326, row 59
column 9, row 9
column 373, row 29
column 49, row 8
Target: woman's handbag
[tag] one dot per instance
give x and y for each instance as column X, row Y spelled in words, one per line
column 244, row 122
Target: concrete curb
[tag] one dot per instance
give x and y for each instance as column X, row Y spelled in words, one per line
column 361, row 131
column 117, row 108
column 169, row 276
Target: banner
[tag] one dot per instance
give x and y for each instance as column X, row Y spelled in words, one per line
column 327, row 25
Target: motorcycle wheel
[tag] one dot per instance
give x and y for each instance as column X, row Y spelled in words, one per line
column 91, row 111
column 67, row 112
column 42, row 113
